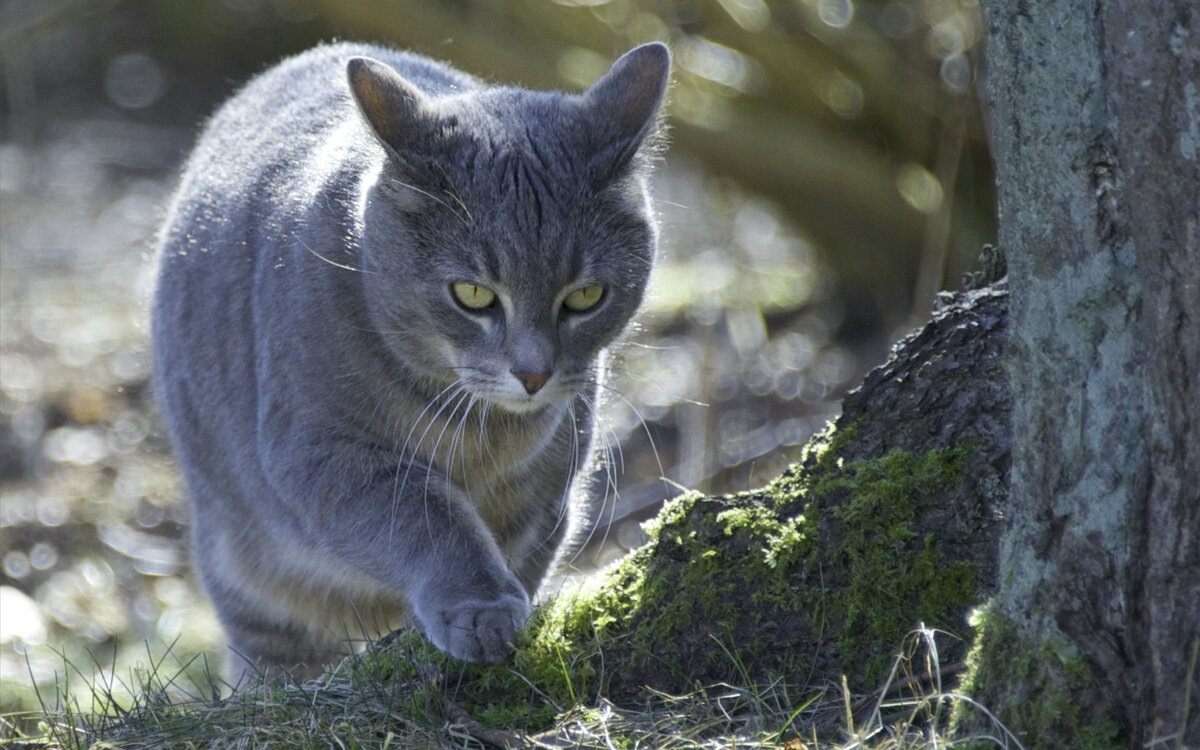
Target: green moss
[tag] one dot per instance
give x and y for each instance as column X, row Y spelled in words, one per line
column 824, row 450
column 891, row 577
column 1037, row 687
column 894, row 579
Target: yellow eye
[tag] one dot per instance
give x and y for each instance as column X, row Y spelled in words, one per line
column 473, row 296
column 584, row 299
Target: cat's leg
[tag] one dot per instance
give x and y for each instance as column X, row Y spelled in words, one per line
column 475, row 630
column 464, row 595
column 411, row 530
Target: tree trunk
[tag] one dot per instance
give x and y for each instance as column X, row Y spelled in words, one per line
column 1095, row 111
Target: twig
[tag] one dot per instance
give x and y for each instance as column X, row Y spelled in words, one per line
column 503, row 738
column 926, row 678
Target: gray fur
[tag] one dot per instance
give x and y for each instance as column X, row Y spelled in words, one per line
column 357, row 445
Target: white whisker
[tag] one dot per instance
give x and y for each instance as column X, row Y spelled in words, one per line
column 564, row 507
column 456, row 439
column 401, row 482
column 459, row 396
column 610, row 483
column 436, row 199
column 642, row 421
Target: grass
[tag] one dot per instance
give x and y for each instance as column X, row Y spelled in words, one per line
column 397, row 697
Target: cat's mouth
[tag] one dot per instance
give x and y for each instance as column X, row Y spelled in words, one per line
column 520, row 398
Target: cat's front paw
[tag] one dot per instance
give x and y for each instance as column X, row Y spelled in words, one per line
column 478, row 630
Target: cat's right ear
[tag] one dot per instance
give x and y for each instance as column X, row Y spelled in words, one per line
column 623, row 105
column 397, row 111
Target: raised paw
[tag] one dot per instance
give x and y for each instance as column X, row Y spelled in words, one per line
column 478, row 630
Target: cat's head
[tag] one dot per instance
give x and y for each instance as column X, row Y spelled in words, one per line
column 508, row 235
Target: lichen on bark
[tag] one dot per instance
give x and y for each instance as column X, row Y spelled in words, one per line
column 1039, row 702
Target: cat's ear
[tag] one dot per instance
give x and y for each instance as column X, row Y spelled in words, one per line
column 396, row 110
column 623, row 105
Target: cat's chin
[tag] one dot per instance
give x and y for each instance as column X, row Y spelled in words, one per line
column 523, row 405
column 520, row 406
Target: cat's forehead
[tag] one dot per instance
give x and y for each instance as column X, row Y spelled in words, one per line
column 511, row 129
column 511, row 154
column 511, row 112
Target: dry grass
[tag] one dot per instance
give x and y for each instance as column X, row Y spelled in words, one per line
column 362, row 704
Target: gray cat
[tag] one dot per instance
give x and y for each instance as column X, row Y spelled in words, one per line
column 384, row 294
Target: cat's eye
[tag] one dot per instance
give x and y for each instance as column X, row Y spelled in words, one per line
column 584, row 298
column 473, row 296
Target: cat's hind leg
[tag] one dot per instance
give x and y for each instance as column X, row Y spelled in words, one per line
column 261, row 649
column 266, row 642
column 273, row 627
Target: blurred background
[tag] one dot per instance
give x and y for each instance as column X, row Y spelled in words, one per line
column 828, row 174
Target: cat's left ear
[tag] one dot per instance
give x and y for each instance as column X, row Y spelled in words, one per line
column 397, row 111
column 622, row 107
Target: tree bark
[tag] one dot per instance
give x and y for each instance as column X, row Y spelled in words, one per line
column 1095, row 117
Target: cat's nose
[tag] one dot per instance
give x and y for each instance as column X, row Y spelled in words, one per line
column 533, row 381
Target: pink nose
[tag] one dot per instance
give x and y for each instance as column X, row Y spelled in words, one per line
column 533, row 381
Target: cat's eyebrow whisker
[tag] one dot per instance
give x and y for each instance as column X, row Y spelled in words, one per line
column 436, row 199
column 460, row 202
column 334, row 263
column 452, row 192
